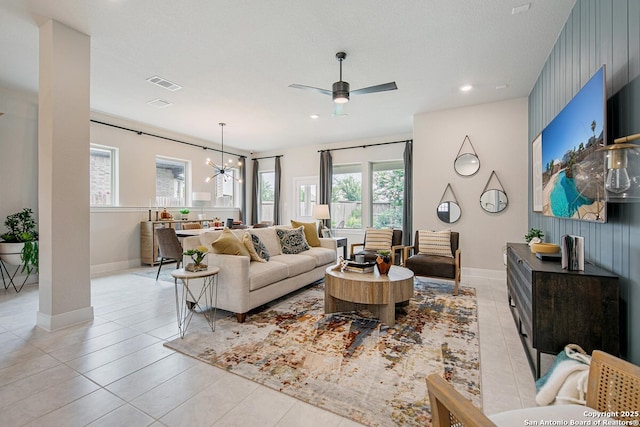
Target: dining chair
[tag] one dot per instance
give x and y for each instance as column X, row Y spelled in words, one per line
column 169, row 246
column 191, row 226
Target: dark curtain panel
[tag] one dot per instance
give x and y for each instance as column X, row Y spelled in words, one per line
column 255, row 183
column 243, row 177
column 276, row 192
column 407, row 205
column 326, row 179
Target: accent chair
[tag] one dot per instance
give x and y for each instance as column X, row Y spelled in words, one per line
column 436, row 254
column 379, row 239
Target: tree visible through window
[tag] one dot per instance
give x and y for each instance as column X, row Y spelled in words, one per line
column 346, row 197
column 387, row 187
column 267, row 188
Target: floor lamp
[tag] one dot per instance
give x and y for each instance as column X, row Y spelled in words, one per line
column 321, row 212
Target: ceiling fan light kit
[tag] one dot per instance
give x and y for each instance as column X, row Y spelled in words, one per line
column 341, row 92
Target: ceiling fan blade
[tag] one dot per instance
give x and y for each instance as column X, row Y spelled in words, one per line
column 315, row 89
column 378, row 88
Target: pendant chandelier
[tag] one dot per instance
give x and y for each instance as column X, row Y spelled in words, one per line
column 224, row 169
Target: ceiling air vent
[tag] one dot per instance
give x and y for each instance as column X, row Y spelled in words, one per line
column 164, row 83
column 159, row 103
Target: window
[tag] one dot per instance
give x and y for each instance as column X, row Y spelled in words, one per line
column 387, row 194
column 267, row 187
column 226, row 187
column 346, row 197
column 306, row 199
column 103, row 175
column 170, row 182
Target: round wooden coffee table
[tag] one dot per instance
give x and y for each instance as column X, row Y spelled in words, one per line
column 349, row 291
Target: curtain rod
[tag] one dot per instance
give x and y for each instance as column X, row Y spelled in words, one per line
column 139, row 132
column 366, row 145
column 267, row 157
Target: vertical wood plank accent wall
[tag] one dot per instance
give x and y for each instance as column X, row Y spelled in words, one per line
column 598, row 32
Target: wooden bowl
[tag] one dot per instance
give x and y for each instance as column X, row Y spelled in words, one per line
column 545, row 248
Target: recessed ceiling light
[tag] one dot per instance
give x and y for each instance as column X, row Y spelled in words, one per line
column 466, row 88
column 159, row 103
column 520, row 9
column 314, row 116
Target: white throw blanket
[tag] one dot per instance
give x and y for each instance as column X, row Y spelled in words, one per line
column 566, row 381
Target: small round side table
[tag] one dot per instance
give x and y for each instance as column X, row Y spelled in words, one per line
column 209, row 291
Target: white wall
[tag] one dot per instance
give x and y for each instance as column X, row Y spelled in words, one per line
column 304, row 161
column 137, row 170
column 18, row 156
column 18, row 152
column 498, row 132
column 115, row 242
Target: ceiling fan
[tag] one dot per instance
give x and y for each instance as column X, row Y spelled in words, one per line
column 340, row 89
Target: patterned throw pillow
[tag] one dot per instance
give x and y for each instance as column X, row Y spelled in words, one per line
column 310, row 231
column 248, row 243
column 435, row 243
column 229, row 244
column 292, row 241
column 376, row 240
column 260, row 248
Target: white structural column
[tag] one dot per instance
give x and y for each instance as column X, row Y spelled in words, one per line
column 63, row 177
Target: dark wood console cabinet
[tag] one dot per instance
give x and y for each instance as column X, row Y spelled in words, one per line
column 553, row 307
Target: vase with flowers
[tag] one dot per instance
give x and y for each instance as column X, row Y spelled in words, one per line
column 383, row 261
column 197, row 256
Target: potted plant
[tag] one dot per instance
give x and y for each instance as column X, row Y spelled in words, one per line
column 383, row 261
column 20, row 243
column 197, row 256
column 185, row 213
column 533, row 234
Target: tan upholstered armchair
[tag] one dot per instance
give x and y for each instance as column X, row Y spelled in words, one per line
column 382, row 239
column 433, row 257
column 612, row 389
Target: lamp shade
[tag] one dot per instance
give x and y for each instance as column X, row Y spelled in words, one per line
column 321, row 212
column 200, row 196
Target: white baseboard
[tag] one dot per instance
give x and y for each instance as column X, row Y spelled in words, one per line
column 482, row 273
column 63, row 320
column 115, row 266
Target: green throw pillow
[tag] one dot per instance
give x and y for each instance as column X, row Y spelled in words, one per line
column 310, row 231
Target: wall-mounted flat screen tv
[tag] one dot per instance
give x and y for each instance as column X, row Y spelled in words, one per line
column 572, row 169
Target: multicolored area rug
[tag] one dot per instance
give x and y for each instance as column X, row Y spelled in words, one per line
column 347, row 363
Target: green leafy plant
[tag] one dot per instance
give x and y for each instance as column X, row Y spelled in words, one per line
column 384, row 252
column 534, row 232
column 22, row 229
column 184, row 211
column 197, row 254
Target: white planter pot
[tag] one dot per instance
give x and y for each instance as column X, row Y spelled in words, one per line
column 11, row 252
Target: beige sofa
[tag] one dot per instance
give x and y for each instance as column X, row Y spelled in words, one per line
column 244, row 284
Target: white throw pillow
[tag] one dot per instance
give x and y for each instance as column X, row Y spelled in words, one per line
column 435, row 243
column 376, row 240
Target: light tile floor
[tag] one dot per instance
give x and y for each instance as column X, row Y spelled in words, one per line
column 114, row 371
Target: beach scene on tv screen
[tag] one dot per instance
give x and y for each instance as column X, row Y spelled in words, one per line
column 572, row 169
